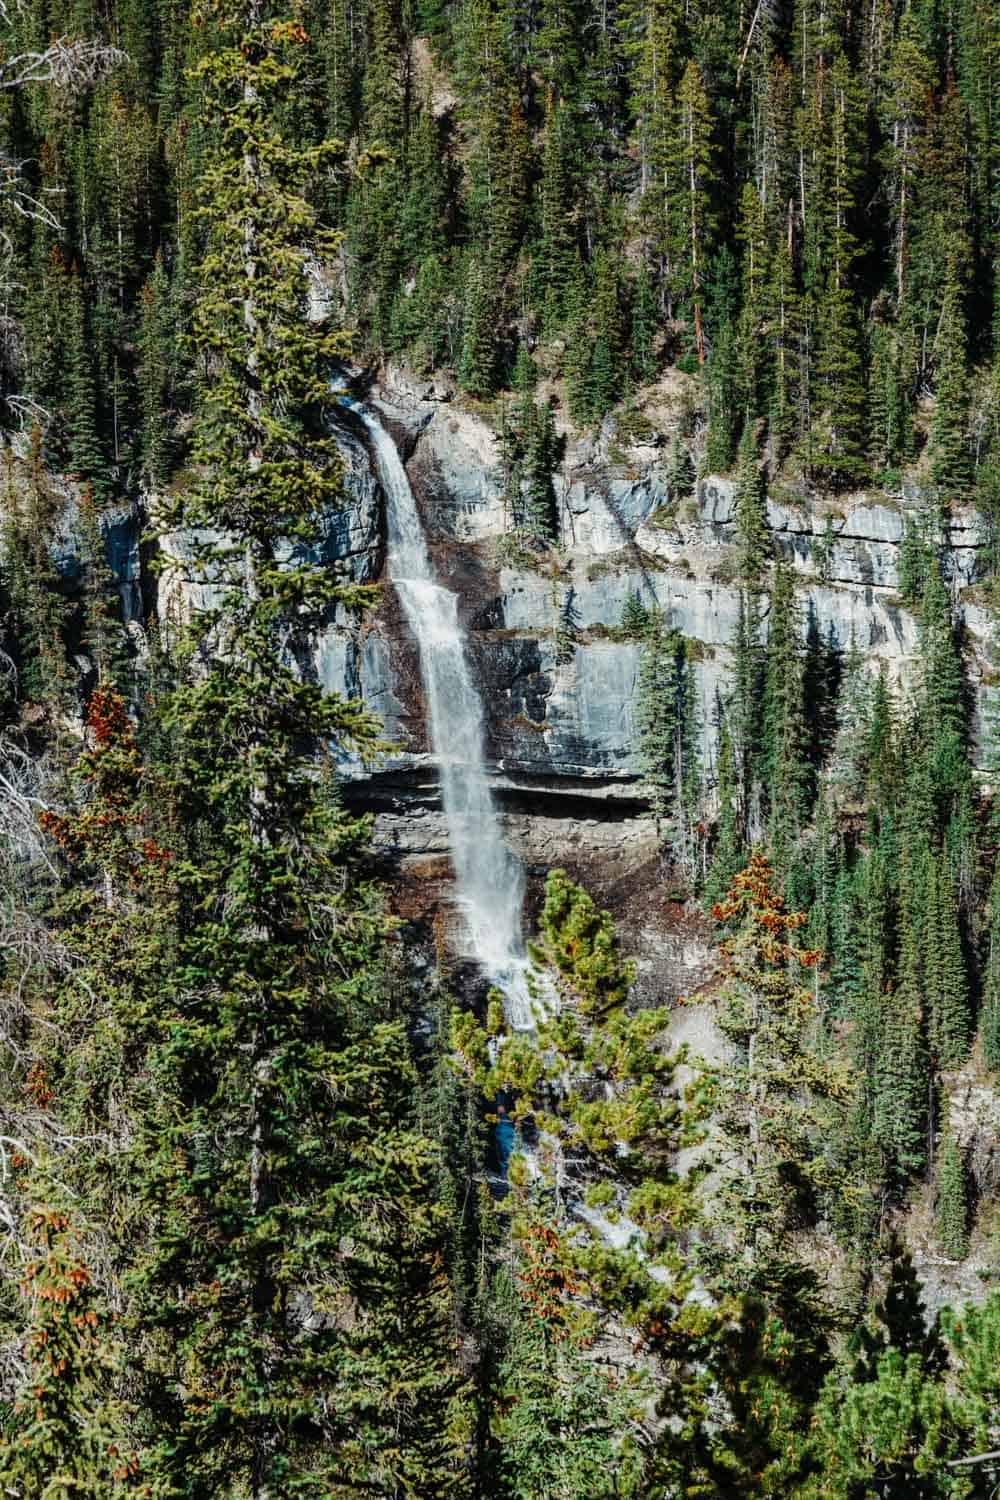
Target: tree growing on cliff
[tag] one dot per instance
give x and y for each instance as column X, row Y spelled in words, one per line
column 753, row 540
column 668, row 740
column 785, row 731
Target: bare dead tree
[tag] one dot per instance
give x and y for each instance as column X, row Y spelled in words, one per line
column 22, row 778
column 68, row 62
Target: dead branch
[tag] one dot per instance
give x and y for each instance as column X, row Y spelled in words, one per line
column 69, row 63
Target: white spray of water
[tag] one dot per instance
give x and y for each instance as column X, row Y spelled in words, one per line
column 619, row 1233
column 489, row 880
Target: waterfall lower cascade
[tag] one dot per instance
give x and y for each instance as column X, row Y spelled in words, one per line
column 489, row 880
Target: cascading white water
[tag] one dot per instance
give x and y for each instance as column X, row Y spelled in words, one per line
column 489, row 880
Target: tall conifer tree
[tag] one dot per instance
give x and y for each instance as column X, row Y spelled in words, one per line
column 287, row 1172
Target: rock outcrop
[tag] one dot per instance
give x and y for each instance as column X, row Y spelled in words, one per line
column 563, row 712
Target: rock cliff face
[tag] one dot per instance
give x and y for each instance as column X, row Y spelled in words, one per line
column 563, row 721
column 560, row 723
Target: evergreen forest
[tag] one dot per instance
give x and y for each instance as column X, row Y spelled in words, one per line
column 295, row 1203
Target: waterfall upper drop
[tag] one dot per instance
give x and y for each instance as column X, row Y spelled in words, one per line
column 489, row 880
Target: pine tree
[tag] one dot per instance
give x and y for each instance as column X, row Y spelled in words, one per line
column 778, row 1099
column 67, row 1435
column 753, row 539
column 973, row 1337
column 668, row 739
column 990, row 1020
column 951, row 1204
column 949, row 444
column 945, row 983
column 636, row 618
column 786, row 737
column 289, row 1178
column 477, row 366
column 694, row 217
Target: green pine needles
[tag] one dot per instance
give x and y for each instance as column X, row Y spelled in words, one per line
column 281, row 1082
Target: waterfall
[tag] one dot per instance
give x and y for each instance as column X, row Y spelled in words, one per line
column 489, row 880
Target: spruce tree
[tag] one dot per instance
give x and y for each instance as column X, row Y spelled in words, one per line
column 753, row 539
column 915, row 560
column 541, row 453
column 681, row 477
column 745, row 716
column 951, row 1203
column 949, row 442
column 82, row 438
column 728, row 853
column 558, row 1424
column 778, row 1098
column 642, row 358
column 477, row 365
column 103, row 633
column 785, row 731
column 67, row 1435
column 942, row 715
column 288, row 1176
column 990, row 1020
column 881, row 1423
column 945, row 983
column 557, row 239
column 900, row 1102
column 693, row 170
column 636, row 618
column 154, row 374
column 668, row 739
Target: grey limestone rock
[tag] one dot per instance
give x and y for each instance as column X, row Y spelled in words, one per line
column 573, row 719
column 456, row 475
